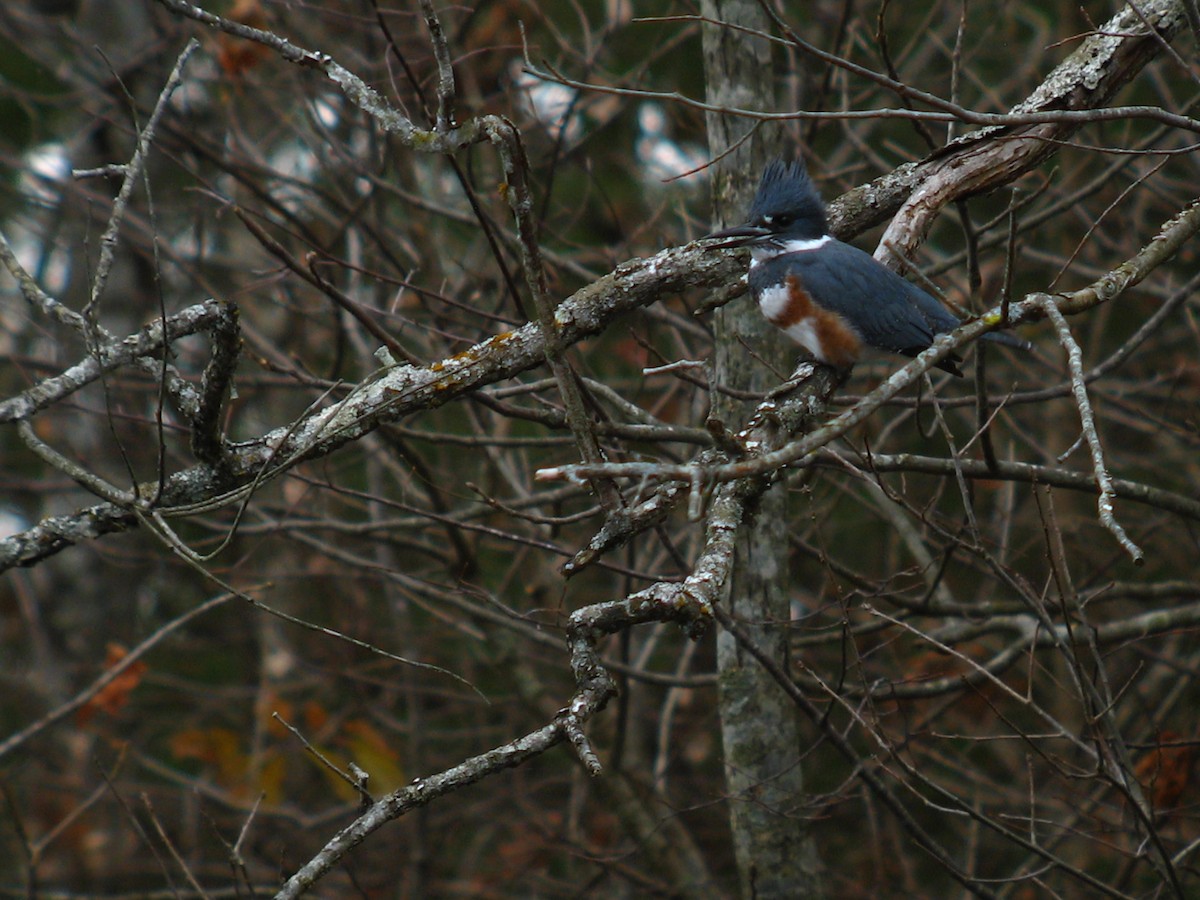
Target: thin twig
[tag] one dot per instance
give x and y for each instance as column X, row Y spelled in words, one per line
column 132, row 172
column 1088, row 423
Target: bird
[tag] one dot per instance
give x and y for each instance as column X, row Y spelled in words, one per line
column 828, row 296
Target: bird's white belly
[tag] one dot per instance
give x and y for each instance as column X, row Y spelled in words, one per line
column 805, row 334
column 776, row 306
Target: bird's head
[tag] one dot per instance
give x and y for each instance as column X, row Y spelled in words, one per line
column 787, row 209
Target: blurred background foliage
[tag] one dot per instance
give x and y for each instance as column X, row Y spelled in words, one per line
column 430, row 539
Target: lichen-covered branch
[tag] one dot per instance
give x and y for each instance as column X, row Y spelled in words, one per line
column 1071, row 96
column 393, row 394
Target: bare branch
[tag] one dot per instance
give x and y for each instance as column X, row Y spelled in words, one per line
column 1088, row 423
column 132, row 172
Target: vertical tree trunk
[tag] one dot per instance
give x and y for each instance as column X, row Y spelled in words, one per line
column 776, row 855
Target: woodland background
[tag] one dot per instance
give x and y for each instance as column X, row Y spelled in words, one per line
column 273, row 543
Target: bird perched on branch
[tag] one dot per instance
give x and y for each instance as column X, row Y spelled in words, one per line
column 830, row 297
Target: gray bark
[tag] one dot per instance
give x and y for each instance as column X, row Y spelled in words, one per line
column 775, row 853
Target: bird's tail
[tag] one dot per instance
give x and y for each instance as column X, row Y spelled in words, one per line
column 1008, row 340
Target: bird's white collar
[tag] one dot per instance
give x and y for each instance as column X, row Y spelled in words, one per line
column 760, row 253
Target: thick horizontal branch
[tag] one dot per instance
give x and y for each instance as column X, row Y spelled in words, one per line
column 402, row 390
column 396, row 393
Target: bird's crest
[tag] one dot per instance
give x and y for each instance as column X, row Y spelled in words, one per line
column 786, row 188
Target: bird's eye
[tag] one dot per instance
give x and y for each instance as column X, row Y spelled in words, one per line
column 782, row 219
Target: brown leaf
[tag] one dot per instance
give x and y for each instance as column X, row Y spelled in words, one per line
column 235, row 55
column 1166, row 771
column 114, row 695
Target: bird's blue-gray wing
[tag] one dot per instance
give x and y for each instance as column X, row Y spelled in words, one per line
column 887, row 311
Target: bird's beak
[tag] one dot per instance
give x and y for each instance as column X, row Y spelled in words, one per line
column 738, row 236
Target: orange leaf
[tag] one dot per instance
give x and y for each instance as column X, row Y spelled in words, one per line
column 114, row 695
column 1166, row 771
column 235, row 55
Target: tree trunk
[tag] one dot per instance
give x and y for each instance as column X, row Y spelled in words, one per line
column 776, row 856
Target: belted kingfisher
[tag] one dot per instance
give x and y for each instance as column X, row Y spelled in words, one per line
column 828, row 296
